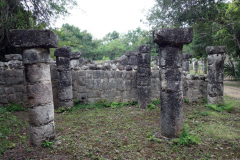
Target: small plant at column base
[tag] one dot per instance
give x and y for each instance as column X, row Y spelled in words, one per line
column 186, row 100
column 47, row 144
column 12, row 107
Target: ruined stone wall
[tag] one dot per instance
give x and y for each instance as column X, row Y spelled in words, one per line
column 12, row 82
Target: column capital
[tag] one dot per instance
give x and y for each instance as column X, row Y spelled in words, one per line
column 216, row 49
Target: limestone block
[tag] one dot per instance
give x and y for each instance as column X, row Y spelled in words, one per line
column 75, row 55
column 144, row 60
column 128, row 75
column 36, row 55
column 63, row 52
column 216, row 49
column 170, row 57
column 82, row 96
column 144, row 96
column 133, row 93
column 134, row 83
column 63, row 63
column 131, row 53
column 105, row 84
column 32, row 38
column 171, row 113
column 143, row 81
column 39, row 134
column 53, row 71
column 65, row 104
column 91, row 100
column 74, row 63
column 215, row 89
column 41, row 115
column 81, row 89
column 40, row 93
column 89, row 83
column 97, row 94
column 132, row 60
column 186, row 56
column 12, row 98
column 9, row 90
column 155, row 74
column 65, row 93
column 89, row 74
column 112, row 83
column 144, row 49
column 97, row 84
column 98, row 74
column 118, row 93
column 64, row 78
column 173, row 36
column 119, row 74
column 127, row 85
column 144, row 72
column 90, row 94
column 215, row 100
column 109, row 74
column 10, row 57
column 126, row 95
column 3, row 99
column 2, row 89
column 120, row 84
column 37, row 72
column 81, row 81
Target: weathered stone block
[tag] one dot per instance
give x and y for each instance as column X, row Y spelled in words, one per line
column 65, row 93
column 12, row 98
column 146, row 48
column 144, row 72
column 144, row 60
column 216, row 49
column 120, row 84
column 97, row 84
column 171, row 114
column 32, row 38
column 82, row 96
column 2, row 89
column 53, row 71
column 127, row 85
column 90, row 94
column 109, row 74
column 75, row 55
column 215, row 89
column 40, row 93
column 98, row 74
column 131, row 53
column 81, row 89
column 89, row 74
column 36, row 55
column 186, row 56
column 128, row 75
column 170, row 57
column 10, row 57
column 173, row 36
column 42, row 133
column 3, row 99
column 155, row 74
column 41, row 115
column 65, row 104
column 82, row 81
column 63, row 63
column 9, row 90
column 143, row 81
column 37, row 72
column 144, row 96
column 132, row 60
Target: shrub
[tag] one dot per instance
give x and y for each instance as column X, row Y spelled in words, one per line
column 12, row 107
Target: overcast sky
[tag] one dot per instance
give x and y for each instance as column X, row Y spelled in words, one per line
column 100, row 17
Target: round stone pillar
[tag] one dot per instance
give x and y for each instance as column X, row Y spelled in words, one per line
column 144, row 75
column 185, row 61
column 170, row 42
column 63, row 61
column 36, row 59
column 215, row 74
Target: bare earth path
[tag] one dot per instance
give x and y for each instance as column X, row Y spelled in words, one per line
column 232, row 89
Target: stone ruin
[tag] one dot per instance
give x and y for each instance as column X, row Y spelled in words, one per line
column 42, row 85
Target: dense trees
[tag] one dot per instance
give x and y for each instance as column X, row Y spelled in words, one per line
column 28, row 14
column 215, row 22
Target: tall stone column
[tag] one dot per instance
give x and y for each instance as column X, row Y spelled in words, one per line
column 195, row 66
column 36, row 58
column 170, row 42
column 144, row 75
column 215, row 74
column 204, row 66
column 63, row 61
column 185, row 61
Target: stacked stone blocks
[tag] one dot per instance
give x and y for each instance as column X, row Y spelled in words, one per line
column 36, row 58
column 215, row 74
column 170, row 42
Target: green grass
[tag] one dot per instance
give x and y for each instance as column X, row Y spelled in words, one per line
column 116, row 131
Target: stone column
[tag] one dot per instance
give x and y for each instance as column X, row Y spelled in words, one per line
column 185, row 61
column 195, row 66
column 144, row 75
column 170, row 42
column 204, row 66
column 215, row 74
column 36, row 58
column 63, row 61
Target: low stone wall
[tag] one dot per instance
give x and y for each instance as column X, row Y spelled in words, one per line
column 91, row 85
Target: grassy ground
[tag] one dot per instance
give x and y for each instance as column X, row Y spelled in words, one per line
column 126, row 132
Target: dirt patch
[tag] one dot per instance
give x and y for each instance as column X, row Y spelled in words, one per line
column 232, row 89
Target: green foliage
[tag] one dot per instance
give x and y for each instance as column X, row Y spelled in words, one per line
column 153, row 104
column 232, row 70
column 204, row 100
column 219, row 107
column 187, row 138
column 186, row 100
column 47, row 144
column 12, row 107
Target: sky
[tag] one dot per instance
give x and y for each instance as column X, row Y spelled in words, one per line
column 100, row 17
